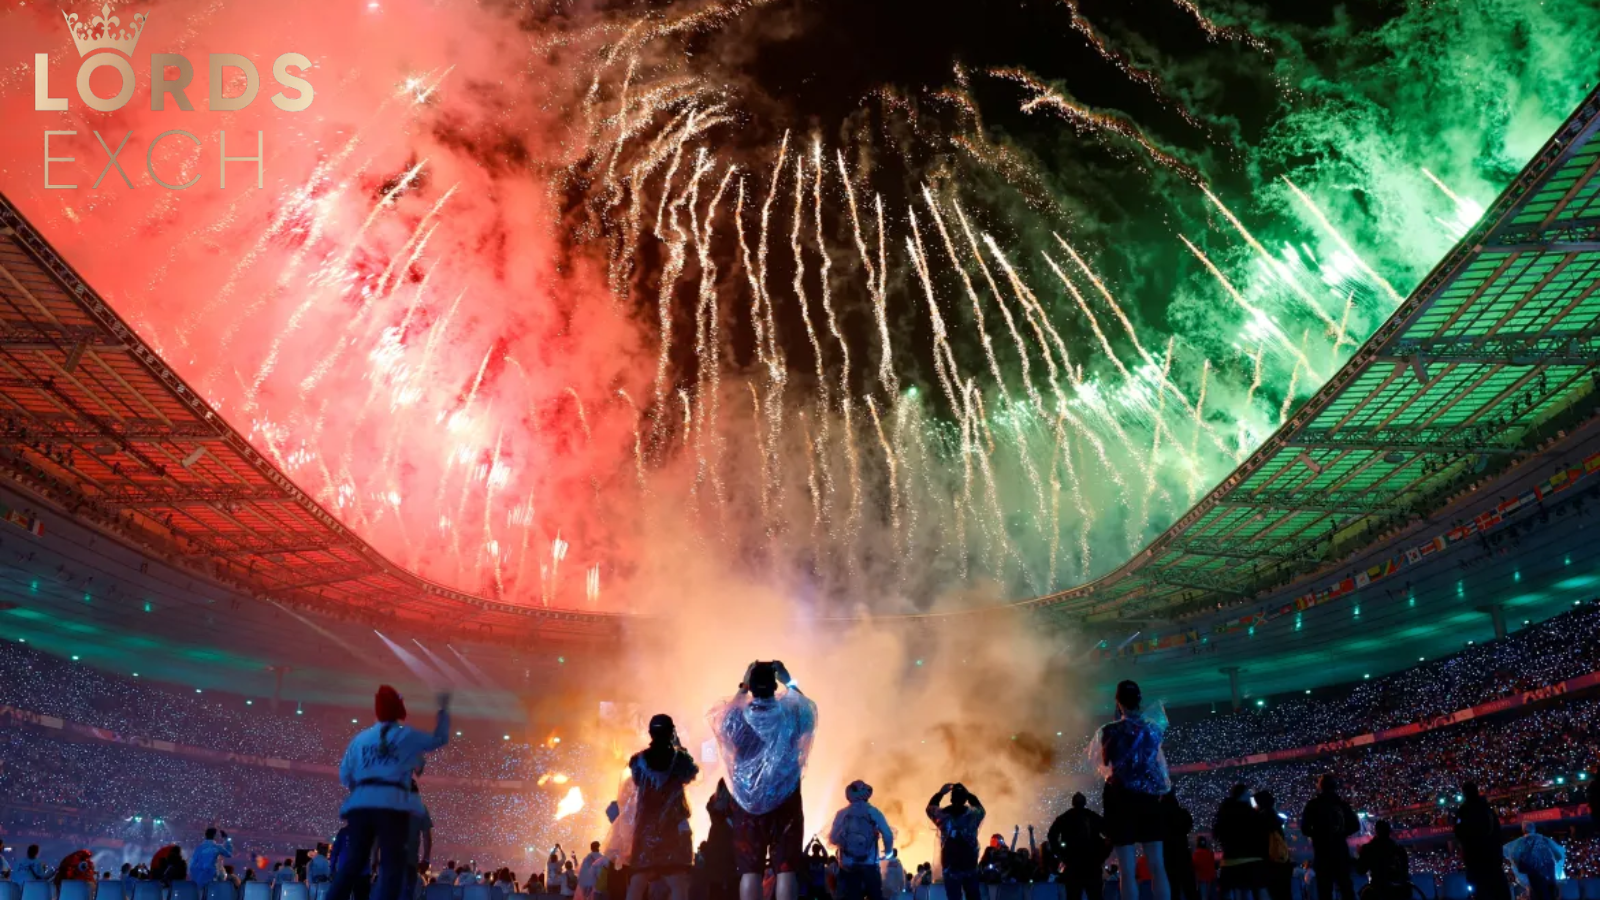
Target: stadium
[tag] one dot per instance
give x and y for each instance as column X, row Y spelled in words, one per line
column 265, row 452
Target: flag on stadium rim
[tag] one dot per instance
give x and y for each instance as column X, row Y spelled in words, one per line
column 22, row 520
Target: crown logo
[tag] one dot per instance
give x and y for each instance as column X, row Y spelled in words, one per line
column 105, row 32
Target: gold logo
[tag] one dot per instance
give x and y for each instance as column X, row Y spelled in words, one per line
column 105, row 32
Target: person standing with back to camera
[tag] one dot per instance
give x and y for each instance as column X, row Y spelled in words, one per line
column 958, row 826
column 1127, row 753
column 764, row 733
column 378, row 769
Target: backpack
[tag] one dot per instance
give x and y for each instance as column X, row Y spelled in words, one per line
column 860, row 838
column 1277, row 848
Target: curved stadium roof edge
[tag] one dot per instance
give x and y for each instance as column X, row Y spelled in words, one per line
column 1498, row 339
column 76, row 379
column 1501, row 336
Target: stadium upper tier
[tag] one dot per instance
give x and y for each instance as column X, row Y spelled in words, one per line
column 1477, row 365
column 96, row 422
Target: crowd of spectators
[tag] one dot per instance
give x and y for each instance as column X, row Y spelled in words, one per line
column 98, row 789
column 1523, row 760
column 1560, row 648
column 42, row 683
column 1518, row 754
column 101, row 788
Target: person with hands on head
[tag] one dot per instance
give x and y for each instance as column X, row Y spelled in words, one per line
column 378, row 769
column 764, row 733
column 554, row 865
column 958, row 826
column 662, row 844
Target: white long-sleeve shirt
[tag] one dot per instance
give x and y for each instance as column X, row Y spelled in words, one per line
column 552, row 870
column 378, row 765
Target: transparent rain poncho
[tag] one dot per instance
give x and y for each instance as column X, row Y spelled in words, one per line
column 764, row 745
column 652, row 825
column 1128, row 751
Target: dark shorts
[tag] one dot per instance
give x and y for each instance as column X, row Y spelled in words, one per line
column 776, row 837
column 1132, row 817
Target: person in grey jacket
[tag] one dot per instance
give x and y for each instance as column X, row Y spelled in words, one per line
column 856, row 832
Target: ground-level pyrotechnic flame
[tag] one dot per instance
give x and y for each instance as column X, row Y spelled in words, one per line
column 570, row 804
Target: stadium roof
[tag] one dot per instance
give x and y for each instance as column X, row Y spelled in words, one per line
column 96, row 422
column 1499, row 340
column 1476, row 365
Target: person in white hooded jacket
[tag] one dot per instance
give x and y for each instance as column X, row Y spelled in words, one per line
column 377, row 771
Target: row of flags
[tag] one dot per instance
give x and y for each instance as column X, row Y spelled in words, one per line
column 1485, row 522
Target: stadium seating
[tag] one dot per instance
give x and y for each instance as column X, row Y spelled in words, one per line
column 183, row 890
column 255, row 890
column 38, row 890
column 221, row 890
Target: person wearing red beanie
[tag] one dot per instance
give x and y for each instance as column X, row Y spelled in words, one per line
column 388, row 705
column 377, row 770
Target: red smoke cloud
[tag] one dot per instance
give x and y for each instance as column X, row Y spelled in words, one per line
column 395, row 315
